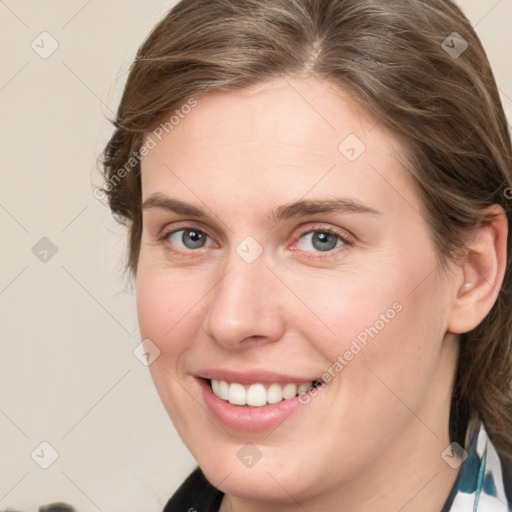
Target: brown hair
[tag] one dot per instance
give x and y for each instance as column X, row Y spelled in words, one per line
column 401, row 61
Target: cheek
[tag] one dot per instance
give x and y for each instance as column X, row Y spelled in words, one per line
column 165, row 308
column 384, row 353
column 379, row 320
column 346, row 309
column 391, row 356
column 167, row 317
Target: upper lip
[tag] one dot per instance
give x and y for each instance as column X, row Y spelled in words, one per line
column 252, row 376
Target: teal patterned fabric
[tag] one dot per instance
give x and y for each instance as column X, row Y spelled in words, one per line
column 480, row 484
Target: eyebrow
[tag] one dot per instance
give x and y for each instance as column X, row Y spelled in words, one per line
column 299, row 208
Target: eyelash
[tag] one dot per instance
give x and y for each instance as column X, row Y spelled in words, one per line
column 322, row 256
column 318, row 255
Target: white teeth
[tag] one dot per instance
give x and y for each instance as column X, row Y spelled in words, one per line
column 290, row 390
column 215, row 387
column 223, row 390
column 303, row 388
column 274, row 394
column 237, row 394
column 257, row 395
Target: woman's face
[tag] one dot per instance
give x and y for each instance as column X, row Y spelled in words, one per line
column 283, row 243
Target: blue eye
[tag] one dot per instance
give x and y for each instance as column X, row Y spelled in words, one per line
column 321, row 240
column 189, row 238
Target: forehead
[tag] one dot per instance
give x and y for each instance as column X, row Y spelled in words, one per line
column 294, row 135
column 302, row 113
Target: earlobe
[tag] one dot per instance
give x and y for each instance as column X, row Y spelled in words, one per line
column 482, row 272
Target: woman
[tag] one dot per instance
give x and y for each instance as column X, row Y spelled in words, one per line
column 316, row 195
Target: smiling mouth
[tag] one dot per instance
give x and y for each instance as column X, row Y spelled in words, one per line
column 259, row 395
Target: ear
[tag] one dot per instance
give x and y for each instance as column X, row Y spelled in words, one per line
column 480, row 273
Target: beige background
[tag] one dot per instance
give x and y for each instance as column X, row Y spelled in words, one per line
column 68, row 375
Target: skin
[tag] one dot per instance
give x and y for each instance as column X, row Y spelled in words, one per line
column 372, row 438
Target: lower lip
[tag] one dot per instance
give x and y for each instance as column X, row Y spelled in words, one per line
column 247, row 418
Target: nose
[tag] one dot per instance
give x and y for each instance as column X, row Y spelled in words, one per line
column 243, row 307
